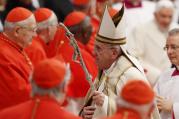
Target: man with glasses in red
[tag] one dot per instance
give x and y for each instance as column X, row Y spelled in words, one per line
column 167, row 85
column 47, row 30
column 15, row 65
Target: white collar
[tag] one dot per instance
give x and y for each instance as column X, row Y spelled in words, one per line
column 109, row 70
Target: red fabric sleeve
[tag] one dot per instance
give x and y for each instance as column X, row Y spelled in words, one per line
column 13, row 87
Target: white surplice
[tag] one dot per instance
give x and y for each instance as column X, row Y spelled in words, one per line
column 168, row 86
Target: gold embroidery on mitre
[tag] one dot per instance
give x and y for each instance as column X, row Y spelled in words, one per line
column 103, row 39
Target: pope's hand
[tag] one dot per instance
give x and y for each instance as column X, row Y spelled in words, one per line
column 88, row 112
column 98, row 98
column 164, row 104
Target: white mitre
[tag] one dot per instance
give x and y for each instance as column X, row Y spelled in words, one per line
column 112, row 31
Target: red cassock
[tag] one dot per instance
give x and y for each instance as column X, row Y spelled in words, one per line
column 79, row 86
column 95, row 25
column 51, row 48
column 125, row 114
column 90, row 45
column 37, row 108
column 15, row 67
column 35, row 51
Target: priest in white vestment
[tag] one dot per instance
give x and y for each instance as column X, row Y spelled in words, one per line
column 168, row 85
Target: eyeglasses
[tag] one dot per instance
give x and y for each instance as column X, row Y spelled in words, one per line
column 30, row 29
column 172, row 47
column 100, row 49
column 40, row 29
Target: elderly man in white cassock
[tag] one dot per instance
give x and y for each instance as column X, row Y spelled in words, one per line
column 149, row 39
column 167, row 85
column 115, row 64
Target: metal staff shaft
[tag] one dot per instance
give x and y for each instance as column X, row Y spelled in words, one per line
column 77, row 53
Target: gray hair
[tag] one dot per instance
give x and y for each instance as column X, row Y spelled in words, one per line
column 143, row 109
column 173, row 32
column 41, row 91
column 50, row 21
column 11, row 25
column 164, row 4
column 54, row 90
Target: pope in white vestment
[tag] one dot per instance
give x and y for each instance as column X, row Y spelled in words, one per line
column 112, row 81
column 123, row 67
